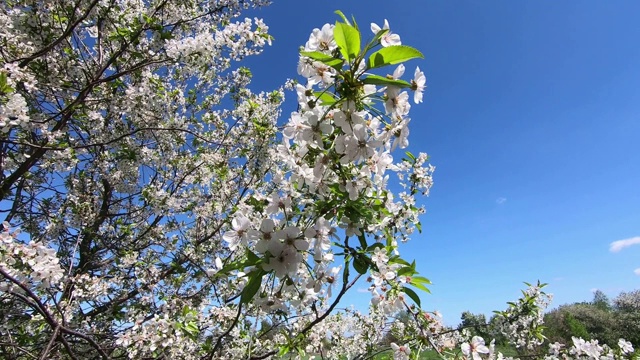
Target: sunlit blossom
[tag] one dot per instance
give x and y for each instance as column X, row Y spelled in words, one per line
column 388, row 39
column 474, row 348
column 400, row 352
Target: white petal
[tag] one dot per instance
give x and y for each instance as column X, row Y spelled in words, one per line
column 398, row 72
column 267, row 226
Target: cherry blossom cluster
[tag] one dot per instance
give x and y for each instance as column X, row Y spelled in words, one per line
column 521, row 322
column 453, row 343
column 33, row 264
column 119, row 155
column 334, row 149
column 590, row 349
column 13, row 106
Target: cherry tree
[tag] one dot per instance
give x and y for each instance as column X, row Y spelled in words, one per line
column 161, row 213
column 155, row 207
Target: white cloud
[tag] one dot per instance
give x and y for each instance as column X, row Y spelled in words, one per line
column 621, row 244
column 501, row 200
column 637, row 271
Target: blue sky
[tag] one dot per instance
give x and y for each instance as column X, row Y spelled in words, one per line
column 531, row 118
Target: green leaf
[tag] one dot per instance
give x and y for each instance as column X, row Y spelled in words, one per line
column 345, row 273
column 421, row 287
column 363, row 241
column 411, row 156
column 344, row 18
column 374, row 246
column 420, row 279
column 384, row 81
column 124, row 32
column 355, row 24
column 252, row 286
column 419, row 226
column 208, row 344
column 340, row 40
column 323, row 58
column 178, row 268
column 4, row 87
column 252, row 258
column 348, row 40
column 284, row 350
column 166, row 35
column 412, row 294
column 406, row 270
column 360, row 264
column 393, row 55
column 191, row 328
column 325, row 97
column 398, row 260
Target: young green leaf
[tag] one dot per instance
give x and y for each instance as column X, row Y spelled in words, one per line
column 407, row 270
column 252, row 258
column 345, row 273
column 324, row 97
column 420, row 279
column 372, row 247
column 363, row 241
column 392, row 55
column 252, row 287
column 420, row 286
column 360, row 264
column 323, row 58
column 384, row 81
column 355, row 24
column 4, row 87
column 412, row 294
column 341, row 14
column 348, row 40
column 398, row 260
column 191, row 328
column 284, row 350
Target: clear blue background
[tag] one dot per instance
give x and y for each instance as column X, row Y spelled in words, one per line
column 536, row 103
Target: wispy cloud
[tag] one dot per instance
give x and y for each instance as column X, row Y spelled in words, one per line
column 501, row 200
column 637, row 271
column 621, row 244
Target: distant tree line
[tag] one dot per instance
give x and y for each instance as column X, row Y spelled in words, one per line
column 601, row 319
